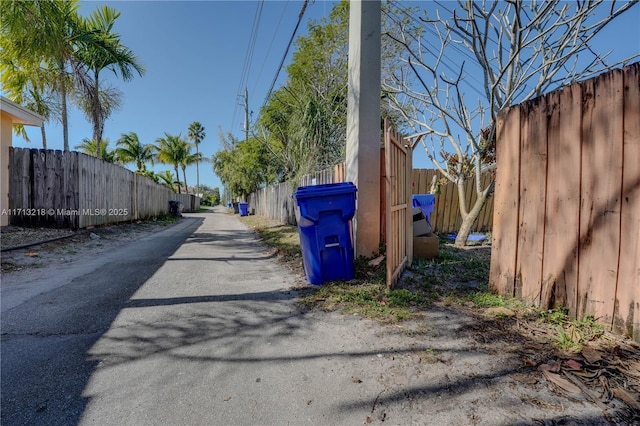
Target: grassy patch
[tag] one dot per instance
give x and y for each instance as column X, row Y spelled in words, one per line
column 371, row 300
column 284, row 238
column 486, row 299
column 572, row 334
column 455, row 277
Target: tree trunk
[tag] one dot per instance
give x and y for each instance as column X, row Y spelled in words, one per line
column 64, row 117
column 197, row 172
column 96, row 111
column 178, row 179
column 184, row 175
column 44, row 137
column 470, row 218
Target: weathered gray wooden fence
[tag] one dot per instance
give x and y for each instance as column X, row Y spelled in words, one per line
column 277, row 202
column 71, row 189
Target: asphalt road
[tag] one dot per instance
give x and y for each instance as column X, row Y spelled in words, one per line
column 196, row 325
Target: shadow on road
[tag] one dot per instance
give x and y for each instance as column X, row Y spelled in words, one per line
column 45, row 341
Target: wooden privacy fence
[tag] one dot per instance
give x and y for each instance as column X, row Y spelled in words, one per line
column 277, row 202
column 446, row 214
column 71, row 189
column 567, row 201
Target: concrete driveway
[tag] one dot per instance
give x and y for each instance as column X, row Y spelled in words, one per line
column 198, row 325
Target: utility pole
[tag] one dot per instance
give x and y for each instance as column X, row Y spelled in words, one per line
column 363, row 122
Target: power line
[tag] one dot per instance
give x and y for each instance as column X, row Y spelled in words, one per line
column 446, row 61
column 286, row 52
column 271, row 44
column 248, row 59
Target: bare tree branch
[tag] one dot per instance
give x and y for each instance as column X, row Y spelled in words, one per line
column 518, row 50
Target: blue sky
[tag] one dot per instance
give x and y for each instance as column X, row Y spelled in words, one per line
column 194, row 53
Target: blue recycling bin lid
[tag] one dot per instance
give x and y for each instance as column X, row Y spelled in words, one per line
column 426, row 203
column 325, row 190
column 420, row 200
column 317, row 199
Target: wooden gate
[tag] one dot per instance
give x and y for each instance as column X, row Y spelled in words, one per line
column 398, row 219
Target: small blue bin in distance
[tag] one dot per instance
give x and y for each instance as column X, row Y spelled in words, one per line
column 243, row 208
column 325, row 231
column 426, row 202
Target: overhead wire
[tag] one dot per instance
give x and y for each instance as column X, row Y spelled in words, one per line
column 266, row 56
column 248, row 59
column 446, row 60
column 286, row 52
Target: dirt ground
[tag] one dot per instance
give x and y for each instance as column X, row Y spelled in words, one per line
column 64, row 245
column 489, row 367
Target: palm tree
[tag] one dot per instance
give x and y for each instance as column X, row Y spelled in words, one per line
column 46, row 33
column 52, row 35
column 89, row 146
column 149, row 174
column 130, row 150
column 29, row 85
column 196, row 134
column 166, row 179
column 172, row 150
column 104, row 52
column 187, row 160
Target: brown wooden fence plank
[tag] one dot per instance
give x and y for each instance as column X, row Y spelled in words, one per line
column 446, row 216
column 485, row 218
column 450, row 209
column 532, row 192
column 416, row 181
column 506, row 203
column 627, row 313
column 601, row 187
column 74, row 185
column 560, row 267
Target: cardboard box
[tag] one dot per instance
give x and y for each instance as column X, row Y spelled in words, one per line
column 420, row 225
column 425, row 246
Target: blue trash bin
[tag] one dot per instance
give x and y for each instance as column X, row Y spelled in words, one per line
column 426, row 202
column 325, row 231
column 243, row 208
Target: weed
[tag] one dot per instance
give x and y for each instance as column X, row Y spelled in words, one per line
column 371, row 300
column 486, row 299
column 568, row 340
column 571, row 334
column 588, row 327
column 404, row 298
column 364, row 271
column 557, row 316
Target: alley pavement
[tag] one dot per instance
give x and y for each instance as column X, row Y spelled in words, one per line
column 194, row 325
column 198, row 324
